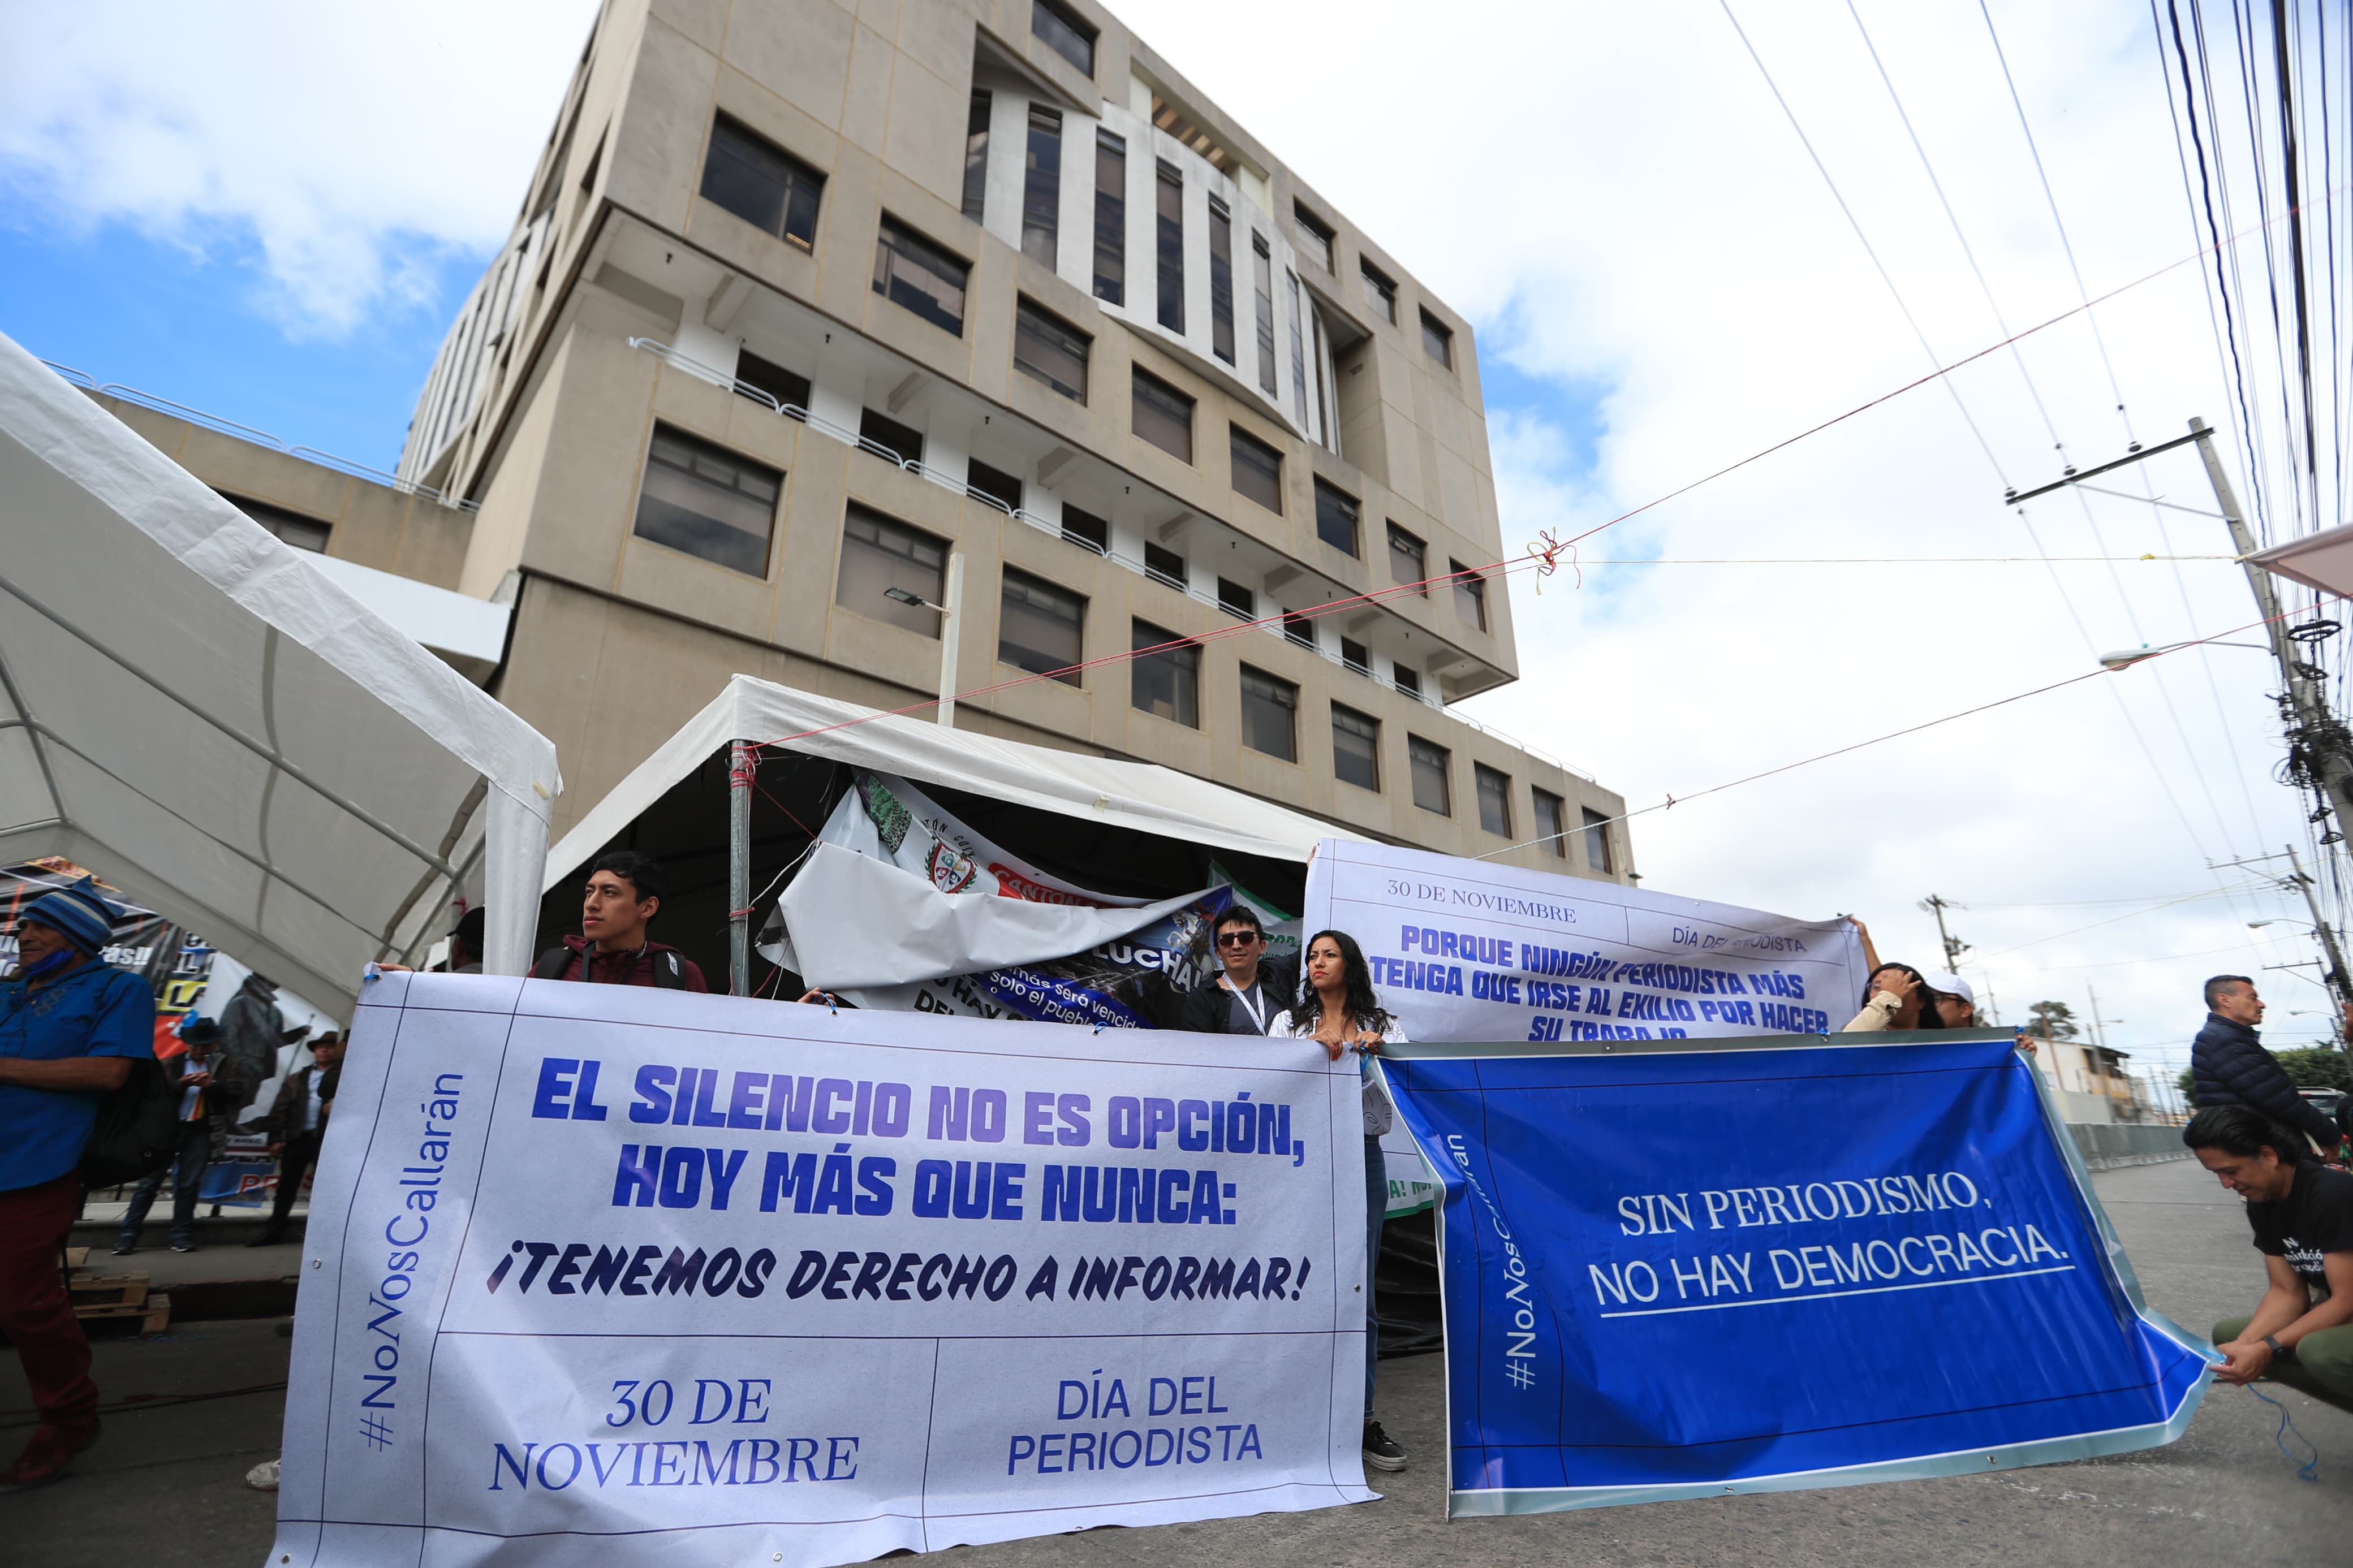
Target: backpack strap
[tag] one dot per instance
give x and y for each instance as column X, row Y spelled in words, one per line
column 551, row 963
column 668, row 974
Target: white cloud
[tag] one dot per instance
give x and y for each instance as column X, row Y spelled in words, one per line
column 346, row 149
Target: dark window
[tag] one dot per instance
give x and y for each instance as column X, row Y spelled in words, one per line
column 880, row 554
column 291, row 527
column 912, row 272
column 1258, row 471
column 1356, row 748
column 1086, row 529
column 975, row 156
column 1221, row 280
column 1495, row 798
column 1552, row 823
column 1039, row 627
column 1169, row 230
column 1336, row 517
column 1596, row 844
column 992, row 484
column 1353, row 654
column 791, row 392
column 1380, row 294
column 1408, row 560
column 1050, row 350
column 1299, row 629
column 1237, row 600
column 1164, row 566
column 1270, row 707
column 1162, row 416
column 1042, row 186
column 1438, row 340
column 708, row 502
column 1315, row 239
column 1262, row 291
column 1111, row 219
column 1166, row 680
column 1470, row 596
column 1405, row 678
column 1432, row 791
column 762, row 184
column 1298, row 348
column 900, row 440
column 1064, row 34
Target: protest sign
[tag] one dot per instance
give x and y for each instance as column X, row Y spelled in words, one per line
column 663, row 1278
column 1688, row 1267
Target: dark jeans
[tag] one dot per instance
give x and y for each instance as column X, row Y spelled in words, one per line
column 187, row 1173
column 1376, row 1208
column 294, row 1160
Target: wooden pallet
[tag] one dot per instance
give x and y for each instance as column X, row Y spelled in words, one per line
column 91, row 1290
column 75, row 1256
column 148, row 1317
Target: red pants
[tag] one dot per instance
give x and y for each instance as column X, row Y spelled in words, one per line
column 34, row 1310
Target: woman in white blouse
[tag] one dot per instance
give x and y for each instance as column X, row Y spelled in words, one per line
column 1340, row 1011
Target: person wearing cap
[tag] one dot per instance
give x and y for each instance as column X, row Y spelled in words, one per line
column 211, row 1082
column 70, row 1025
column 1954, row 1000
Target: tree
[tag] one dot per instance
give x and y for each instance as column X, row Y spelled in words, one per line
column 2316, row 1066
column 2052, row 1021
column 2188, row 1084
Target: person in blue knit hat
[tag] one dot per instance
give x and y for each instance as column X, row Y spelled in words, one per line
column 70, row 1025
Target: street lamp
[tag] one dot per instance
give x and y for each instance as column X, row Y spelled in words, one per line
column 953, row 590
column 2124, row 658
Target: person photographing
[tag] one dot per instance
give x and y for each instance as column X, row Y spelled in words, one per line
column 1340, row 1013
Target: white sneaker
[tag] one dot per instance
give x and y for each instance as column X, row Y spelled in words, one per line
column 263, row 1478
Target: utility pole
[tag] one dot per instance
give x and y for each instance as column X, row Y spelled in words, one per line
column 1954, row 946
column 2340, row 986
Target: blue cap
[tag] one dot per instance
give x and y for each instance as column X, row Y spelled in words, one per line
column 80, row 913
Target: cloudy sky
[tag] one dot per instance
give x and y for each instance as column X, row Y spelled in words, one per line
column 270, row 213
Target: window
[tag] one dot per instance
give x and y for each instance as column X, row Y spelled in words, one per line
column 1237, row 600
column 1262, row 291
column 707, row 502
column 1336, row 517
column 1049, row 349
column 976, row 155
column 1111, row 219
column 912, row 272
column 1438, row 340
column 1166, row 680
column 1064, row 34
column 1162, row 415
column 291, row 527
column 985, row 483
column 791, row 392
column 1356, row 748
column 878, row 553
column 1430, row 789
column 762, row 184
column 1298, row 350
column 1408, row 560
column 1258, row 471
column 1315, row 239
column 1270, row 706
column 1085, row 529
column 1038, row 626
column 1042, row 186
column 1494, row 799
column 1221, row 280
column 1299, row 629
column 1353, row 655
column 1597, row 843
column 1164, row 566
column 1552, row 823
column 1405, row 678
column 902, row 441
column 1169, row 231
column 1470, row 596
column 1380, row 294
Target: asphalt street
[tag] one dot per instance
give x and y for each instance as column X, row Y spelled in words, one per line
column 165, row 1485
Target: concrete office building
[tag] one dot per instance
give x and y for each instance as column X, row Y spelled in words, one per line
column 816, row 310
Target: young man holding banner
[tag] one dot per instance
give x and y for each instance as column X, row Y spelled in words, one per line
column 1250, row 990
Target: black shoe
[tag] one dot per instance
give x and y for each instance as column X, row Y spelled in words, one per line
column 267, row 1240
column 124, row 1248
column 184, row 1246
column 1381, row 1451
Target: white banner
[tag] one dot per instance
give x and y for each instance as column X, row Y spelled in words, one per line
column 643, row 1277
column 1473, row 951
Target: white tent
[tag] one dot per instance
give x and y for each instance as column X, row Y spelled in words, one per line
column 1141, row 795
column 194, row 712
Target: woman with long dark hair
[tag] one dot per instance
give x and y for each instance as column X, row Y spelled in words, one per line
column 1338, row 1010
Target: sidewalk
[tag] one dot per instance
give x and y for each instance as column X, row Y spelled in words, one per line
column 165, row 1485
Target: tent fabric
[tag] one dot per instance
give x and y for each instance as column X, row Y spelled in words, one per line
column 2322, row 560
column 1140, row 796
column 191, row 709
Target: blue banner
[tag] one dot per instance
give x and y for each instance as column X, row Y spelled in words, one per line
column 1683, row 1268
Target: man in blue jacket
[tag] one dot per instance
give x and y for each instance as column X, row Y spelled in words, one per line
column 2232, row 1068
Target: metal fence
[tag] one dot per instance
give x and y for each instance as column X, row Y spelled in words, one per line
column 2108, row 1146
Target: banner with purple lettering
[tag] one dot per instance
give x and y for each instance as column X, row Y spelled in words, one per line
column 668, row 1279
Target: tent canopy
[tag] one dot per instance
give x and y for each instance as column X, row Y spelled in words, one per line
column 1141, row 797
column 2322, row 560
column 194, row 710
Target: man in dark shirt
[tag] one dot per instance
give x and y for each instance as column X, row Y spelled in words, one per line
column 1250, row 990
column 2301, row 1332
column 2231, row 1067
column 624, row 893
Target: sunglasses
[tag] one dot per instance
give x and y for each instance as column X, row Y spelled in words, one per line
column 1238, row 938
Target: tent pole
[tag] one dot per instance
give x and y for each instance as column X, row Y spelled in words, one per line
column 739, row 868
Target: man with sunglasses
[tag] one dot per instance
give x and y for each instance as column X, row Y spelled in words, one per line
column 1250, row 990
